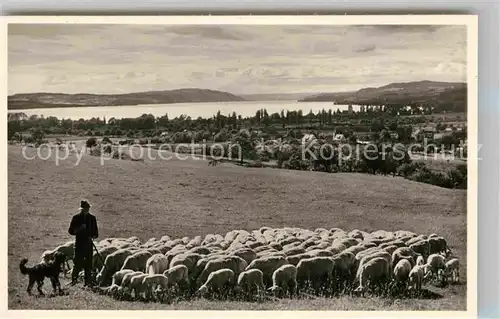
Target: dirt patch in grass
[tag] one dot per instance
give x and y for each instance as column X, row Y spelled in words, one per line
column 187, row 198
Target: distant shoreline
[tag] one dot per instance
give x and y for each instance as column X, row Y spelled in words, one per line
column 46, row 106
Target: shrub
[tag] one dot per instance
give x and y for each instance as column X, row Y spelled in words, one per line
column 297, row 163
column 106, row 140
column 91, row 142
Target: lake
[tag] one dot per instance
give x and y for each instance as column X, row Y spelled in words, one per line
column 194, row 110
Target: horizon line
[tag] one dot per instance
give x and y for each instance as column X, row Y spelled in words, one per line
column 238, row 94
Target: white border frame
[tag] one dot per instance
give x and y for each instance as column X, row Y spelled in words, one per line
column 470, row 21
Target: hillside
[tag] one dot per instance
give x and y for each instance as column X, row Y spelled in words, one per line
column 275, row 96
column 408, row 92
column 50, row 100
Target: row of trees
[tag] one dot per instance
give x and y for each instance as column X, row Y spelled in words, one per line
column 149, row 125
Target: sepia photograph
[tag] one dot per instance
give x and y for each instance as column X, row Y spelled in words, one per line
column 241, row 163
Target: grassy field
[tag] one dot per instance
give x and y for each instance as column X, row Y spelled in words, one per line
column 188, row 198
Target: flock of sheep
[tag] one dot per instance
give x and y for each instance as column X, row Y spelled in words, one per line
column 269, row 262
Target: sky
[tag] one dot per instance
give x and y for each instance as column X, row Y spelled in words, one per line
column 108, row 59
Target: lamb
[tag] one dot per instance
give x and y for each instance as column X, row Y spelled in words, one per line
column 218, row 282
column 155, row 283
column 250, row 281
column 267, row 265
column 284, row 280
column 112, row 264
column 137, row 261
column 317, row 271
column 374, row 271
column 416, row 277
column 157, row 264
column 452, row 269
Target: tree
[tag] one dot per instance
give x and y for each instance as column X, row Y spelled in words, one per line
column 37, row 135
column 244, row 143
column 91, row 142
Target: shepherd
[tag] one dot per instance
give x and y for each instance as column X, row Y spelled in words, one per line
column 84, row 227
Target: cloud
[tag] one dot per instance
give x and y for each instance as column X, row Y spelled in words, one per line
column 239, row 59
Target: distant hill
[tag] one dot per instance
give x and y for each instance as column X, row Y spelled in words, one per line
column 50, row 100
column 275, row 96
column 416, row 92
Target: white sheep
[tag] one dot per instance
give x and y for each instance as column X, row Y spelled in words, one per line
column 420, row 261
column 376, row 270
column 402, row 271
column 125, row 286
column 118, row 276
column 284, row 280
column 267, row 265
column 112, row 264
column 218, row 282
column 154, row 283
column 157, row 264
column 436, row 264
column 177, row 276
column 235, row 263
column 136, row 286
column 137, row 261
column 317, row 271
column 416, row 277
column 250, row 280
column 452, row 269
column 67, row 249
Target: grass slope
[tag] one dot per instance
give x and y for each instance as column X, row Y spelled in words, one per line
column 187, row 198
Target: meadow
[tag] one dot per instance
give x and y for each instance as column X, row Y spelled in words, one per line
column 188, row 197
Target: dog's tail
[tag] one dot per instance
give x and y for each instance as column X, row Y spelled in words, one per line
column 22, row 266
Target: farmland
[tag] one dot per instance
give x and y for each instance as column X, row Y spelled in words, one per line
column 187, row 198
